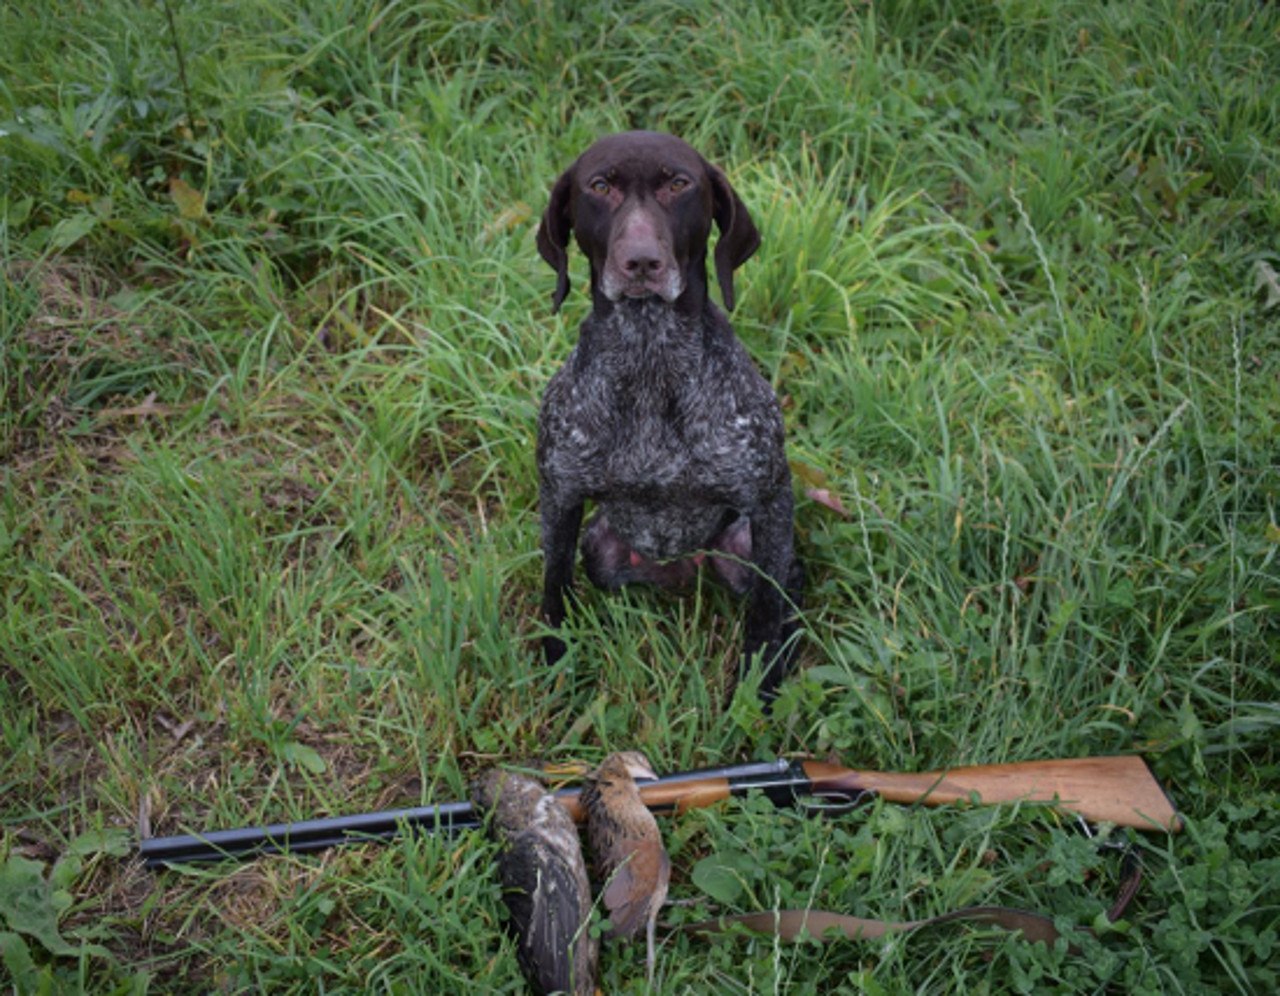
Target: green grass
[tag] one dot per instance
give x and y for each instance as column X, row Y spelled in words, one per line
column 268, row 523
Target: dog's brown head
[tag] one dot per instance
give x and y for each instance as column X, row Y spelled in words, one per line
column 641, row 204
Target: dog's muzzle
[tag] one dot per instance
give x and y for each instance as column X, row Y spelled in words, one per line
column 640, row 262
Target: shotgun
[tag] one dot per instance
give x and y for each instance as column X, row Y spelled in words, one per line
column 1118, row 790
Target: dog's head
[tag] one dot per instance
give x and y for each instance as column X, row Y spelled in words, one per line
column 641, row 205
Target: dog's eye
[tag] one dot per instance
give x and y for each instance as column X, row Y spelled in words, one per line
column 600, row 186
column 678, row 183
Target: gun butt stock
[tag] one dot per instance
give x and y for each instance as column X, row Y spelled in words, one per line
column 1120, row 790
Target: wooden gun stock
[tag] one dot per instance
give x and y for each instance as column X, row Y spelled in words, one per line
column 1118, row 790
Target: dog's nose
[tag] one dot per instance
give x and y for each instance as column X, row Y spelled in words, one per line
column 641, row 261
column 639, row 251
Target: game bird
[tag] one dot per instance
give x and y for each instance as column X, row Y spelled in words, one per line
column 626, row 848
column 544, row 882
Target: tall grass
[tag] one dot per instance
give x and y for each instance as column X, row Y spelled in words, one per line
column 268, row 532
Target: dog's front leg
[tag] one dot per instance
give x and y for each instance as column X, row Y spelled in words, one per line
column 774, row 592
column 561, row 520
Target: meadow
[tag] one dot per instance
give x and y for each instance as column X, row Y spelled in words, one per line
column 274, row 332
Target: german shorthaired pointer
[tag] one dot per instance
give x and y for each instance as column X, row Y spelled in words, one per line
column 659, row 417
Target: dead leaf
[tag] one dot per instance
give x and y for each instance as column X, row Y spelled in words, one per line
column 144, row 816
column 143, row 409
column 1266, row 279
column 824, row 496
column 808, row 474
column 507, row 219
column 175, row 730
column 189, row 201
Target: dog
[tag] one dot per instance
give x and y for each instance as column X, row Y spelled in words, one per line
column 659, row 417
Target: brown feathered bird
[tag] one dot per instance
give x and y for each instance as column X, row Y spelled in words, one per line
column 626, row 848
column 544, row 882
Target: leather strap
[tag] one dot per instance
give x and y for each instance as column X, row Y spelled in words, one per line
column 822, row 925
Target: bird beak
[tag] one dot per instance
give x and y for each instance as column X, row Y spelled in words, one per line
column 569, row 769
column 641, row 772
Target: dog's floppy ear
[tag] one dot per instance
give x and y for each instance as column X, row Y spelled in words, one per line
column 553, row 236
column 738, row 235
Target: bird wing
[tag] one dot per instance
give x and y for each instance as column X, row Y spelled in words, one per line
column 548, row 916
column 637, row 886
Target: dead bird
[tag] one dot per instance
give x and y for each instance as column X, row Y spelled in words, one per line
column 626, row 847
column 544, row 882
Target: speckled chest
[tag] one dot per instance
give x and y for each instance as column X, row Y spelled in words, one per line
column 669, row 429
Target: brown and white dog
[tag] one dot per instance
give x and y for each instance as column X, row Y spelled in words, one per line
column 659, row 417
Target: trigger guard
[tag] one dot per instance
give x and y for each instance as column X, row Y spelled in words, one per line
column 834, row 803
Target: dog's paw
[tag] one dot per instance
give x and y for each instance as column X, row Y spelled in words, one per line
column 553, row 648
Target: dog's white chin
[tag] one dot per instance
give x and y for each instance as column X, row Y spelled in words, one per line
column 615, row 289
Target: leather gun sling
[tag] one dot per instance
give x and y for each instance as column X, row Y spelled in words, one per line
column 821, row 925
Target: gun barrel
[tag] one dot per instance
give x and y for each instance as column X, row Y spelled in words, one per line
column 667, row 794
column 305, row 835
